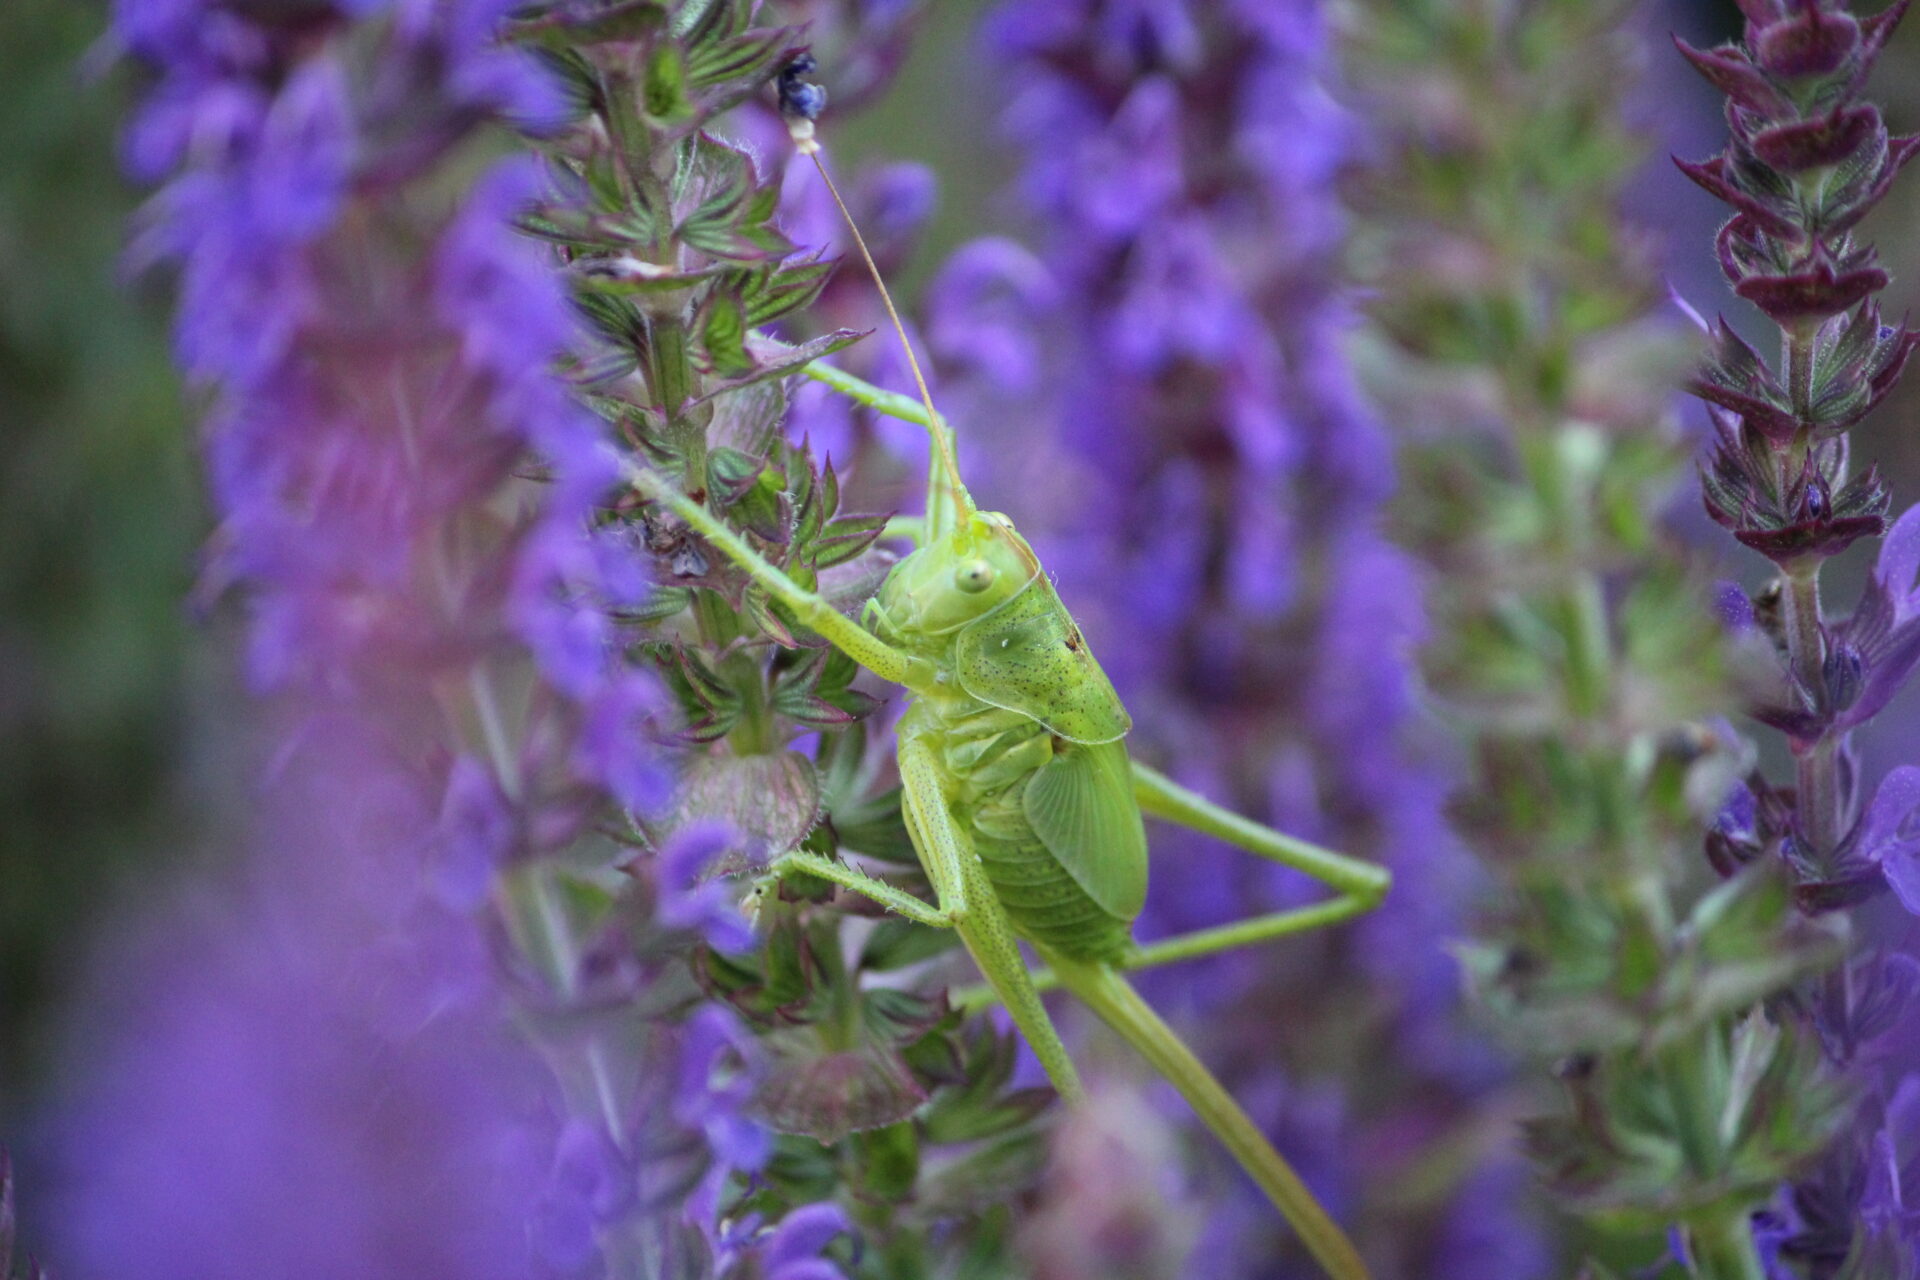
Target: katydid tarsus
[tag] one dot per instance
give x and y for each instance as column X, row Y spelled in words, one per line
column 1017, row 790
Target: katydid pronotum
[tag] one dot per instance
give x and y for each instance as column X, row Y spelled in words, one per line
column 1017, row 790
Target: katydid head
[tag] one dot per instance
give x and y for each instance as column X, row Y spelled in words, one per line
column 961, row 574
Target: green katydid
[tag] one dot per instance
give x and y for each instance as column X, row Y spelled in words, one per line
column 1017, row 790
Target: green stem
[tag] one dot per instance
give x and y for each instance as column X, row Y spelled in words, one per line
column 1589, row 651
column 1723, row 1249
column 672, row 370
column 1800, row 620
column 1800, row 373
column 1817, row 765
column 1692, row 1087
column 1107, row 993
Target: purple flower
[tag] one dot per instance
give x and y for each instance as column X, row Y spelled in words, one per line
column 714, row 1083
column 690, row 897
column 475, row 835
column 1899, row 564
column 588, row 1184
column 791, row 1251
column 440, row 628
column 984, row 310
column 237, row 225
column 1891, row 1201
column 1888, row 834
column 1490, row 1231
column 1178, row 300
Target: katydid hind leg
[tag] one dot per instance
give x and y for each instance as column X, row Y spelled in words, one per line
column 1104, row 990
column 1161, row 797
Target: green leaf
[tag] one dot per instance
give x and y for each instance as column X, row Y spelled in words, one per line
column 897, row 1017
column 663, row 90
column 712, row 706
column 889, row 1160
column 723, row 331
column 874, row 827
column 772, row 293
column 988, row 1175
column 804, row 493
column 762, row 509
column 615, row 318
column 804, row 1170
column 731, row 473
column 579, row 83
column 752, row 55
column 750, row 419
column 628, row 276
column 699, row 22
column 775, row 359
column 773, row 799
column 735, row 234
column 661, row 603
column 846, row 538
column 563, row 29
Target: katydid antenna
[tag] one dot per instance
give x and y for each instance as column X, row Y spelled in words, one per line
column 800, row 105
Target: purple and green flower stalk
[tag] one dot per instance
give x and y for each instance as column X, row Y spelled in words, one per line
column 1571, row 643
column 447, row 1022
column 1159, row 391
column 1805, row 163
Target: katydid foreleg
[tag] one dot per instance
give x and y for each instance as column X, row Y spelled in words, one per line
column 812, row 610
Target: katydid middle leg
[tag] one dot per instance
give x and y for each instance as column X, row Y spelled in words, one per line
column 1359, row 886
column 1162, row 797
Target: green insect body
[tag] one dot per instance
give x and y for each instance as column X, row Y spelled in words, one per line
column 1025, row 731
column 1018, row 793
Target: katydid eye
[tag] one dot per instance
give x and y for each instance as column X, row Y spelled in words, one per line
column 973, row 577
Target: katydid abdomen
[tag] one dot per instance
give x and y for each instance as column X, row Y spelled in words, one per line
column 988, row 757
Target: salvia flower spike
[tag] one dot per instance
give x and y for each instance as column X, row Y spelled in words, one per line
column 1804, row 163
